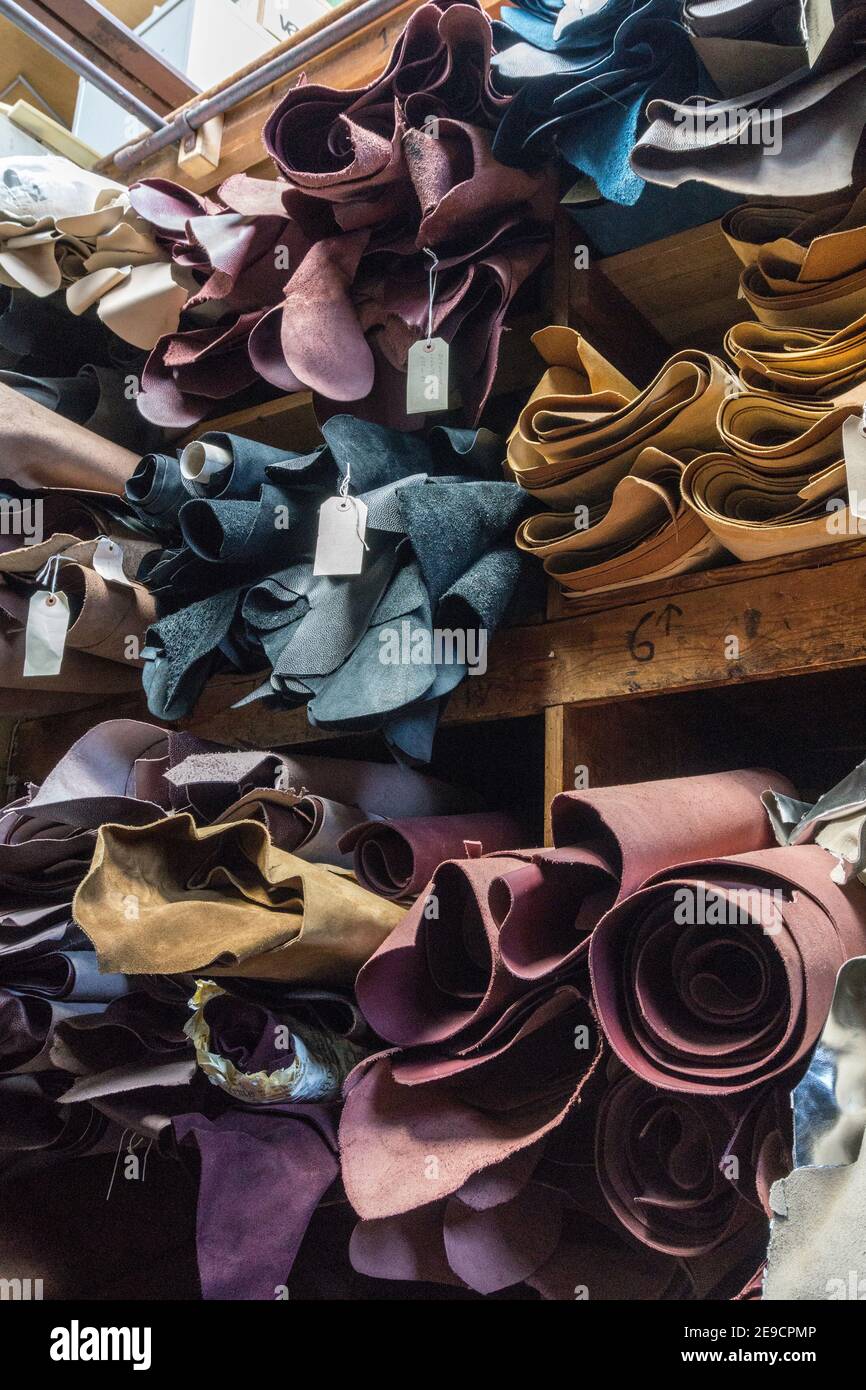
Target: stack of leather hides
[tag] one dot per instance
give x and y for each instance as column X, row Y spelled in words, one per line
column 174, row 576
column 582, row 81
column 237, row 587
column 217, row 879
column 796, row 124
column 66, row 228
column 608, row 460
column 698, row 467
column 565, row 1070
column 584, row 1091
column 321, row 280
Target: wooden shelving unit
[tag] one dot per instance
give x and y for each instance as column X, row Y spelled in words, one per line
column 642, row 682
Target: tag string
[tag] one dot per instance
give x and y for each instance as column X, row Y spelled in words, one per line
column 49, row 571
column 348, row 501
column 434, row 272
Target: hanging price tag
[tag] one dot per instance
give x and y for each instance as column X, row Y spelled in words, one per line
column 108, row 561
column 854, row 451
column 427, row 380
column 45, row 636
column 818, row 21
column 340, row 544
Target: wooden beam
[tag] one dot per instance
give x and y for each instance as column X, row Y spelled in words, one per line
column 353, row 63
column 801, row 614
column 116, row 49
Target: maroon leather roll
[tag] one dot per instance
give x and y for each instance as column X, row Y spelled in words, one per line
column 717, row 975
column 648, row 826
column 483, row 1116
column 491, row 928
column 42, row 450
column 397, row 857
column 683, row 1173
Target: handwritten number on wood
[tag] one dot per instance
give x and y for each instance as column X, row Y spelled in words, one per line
column 642, row 648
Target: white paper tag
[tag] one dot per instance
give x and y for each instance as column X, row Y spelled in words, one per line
column 340, row 542
column 427, row 379
column 45, row 637
column 819, row 24
column 854, row 450
column 108, row 561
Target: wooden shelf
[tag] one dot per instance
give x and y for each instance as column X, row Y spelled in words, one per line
column 685, row 287
column 792, row 616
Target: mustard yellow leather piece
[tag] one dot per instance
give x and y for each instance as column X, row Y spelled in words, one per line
column 170, row 898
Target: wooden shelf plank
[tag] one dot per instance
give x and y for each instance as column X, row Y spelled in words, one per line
column 801, row 614
column 685, row 286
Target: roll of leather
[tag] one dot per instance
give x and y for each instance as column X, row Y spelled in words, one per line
column 717, row 975
column 571, row 449
column 42, row 450
column 213, row 779
column 108, row 620
column 310, row 827
column 785, row 487
column 682, row 1172
column 396, row 858
column 223, row 898
column 756, row 512
column 647, row 532
column 802, row 269
column 31, row 1119
column 525, row 915
column 813, row 363
column 501, row 1103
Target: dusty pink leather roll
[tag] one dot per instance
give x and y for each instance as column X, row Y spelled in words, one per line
column 491, row 928
column 474, row 946
column 484, row 1116
column 682, row 1173
column 648, row 826
column 397, row 857
column 718, row 974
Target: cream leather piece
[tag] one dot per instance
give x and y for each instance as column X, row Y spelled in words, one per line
column 814, row 123
column 104, row 253
column 805, row 362
column 783, row 486
column 816, row 1240
column 570, row 450
column 647, row 532
column 144, row 305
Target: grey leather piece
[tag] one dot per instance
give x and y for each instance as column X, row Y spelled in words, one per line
column 818, row 123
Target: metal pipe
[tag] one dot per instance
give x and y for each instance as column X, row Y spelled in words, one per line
column 192, row 117
column 42, row 35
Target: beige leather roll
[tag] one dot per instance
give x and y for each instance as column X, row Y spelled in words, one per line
column 573, row 449
column 647, row 532
column 805, row 362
